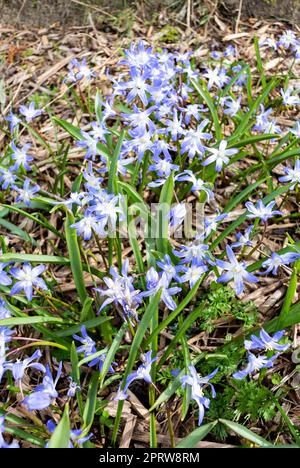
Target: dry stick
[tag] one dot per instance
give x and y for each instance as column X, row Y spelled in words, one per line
column 238, row 17
column 188, row 14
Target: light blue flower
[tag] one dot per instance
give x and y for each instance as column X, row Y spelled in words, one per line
column 156, row 283
column 261, row 211
column 5, row 279
column 277, row 260
column 193, row 272
column 243, row 240
column 197, row 385
column 30, row 112
column 221, row 155
column 18, row 367
column 13, row 120
column 45, row 393
column 143, row 372
column 292, row 175
column 255, row 364
column 28, row 277
column 20, row 156
column 236, row 272
column 266, row 342
column 26, row 193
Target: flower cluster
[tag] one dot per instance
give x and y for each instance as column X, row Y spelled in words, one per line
column 264, row 342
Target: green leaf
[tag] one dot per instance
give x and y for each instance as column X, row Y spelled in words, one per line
column 250, row 113
column 62, row 433
column 98, row 107
column 76, row 375
column 112, row 176
column 175, row 312
column 162, row 218
column 246, row 433
column 14, row 321
column 288, row 300
column 188, row 322
column 75, row 259
column 202, row 91
column 198, row 434
column 134, row 349
column 90, row 405
column 15, row 257
column 87, row 312
column 111, row 352
column 17, row 231
column 43, row 223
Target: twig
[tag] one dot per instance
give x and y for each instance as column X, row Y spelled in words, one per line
column 238, row 17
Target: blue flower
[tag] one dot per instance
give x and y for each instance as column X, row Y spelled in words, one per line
column 198, row 185
column 137, row 85
column 236, row 271
column 143, row 372
column 288, row 99
column 120, row 290
column 293, row 175
column 197, row 384
column 230, row 51
column 18, row 367
column 232, row 106
column 262, row 119
column 88, row 224
column 243, row 240
column 14, row 121
column 211, row 222
column 5, row 280
column 46, row 392
column 220, row 155
column 255, row 364
column 5, row 337
column 90, row 143
column 4, row 311
column 28, row 277
column 167, row 266
column 7, row 177
column 73, row 388
column 26, row 193
column 84, row 71
column 195, row 250
column 20, row 156
column 266, row 342
column 276, row 260
column 156, row 282
column 193, row 272
column 138, row 56
column 140, row 119
column 87, row 343
column 163, row 167
column 174, row 126
column 30, row 112
column 192, row 142
column 287, row 39
column 261, row 211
